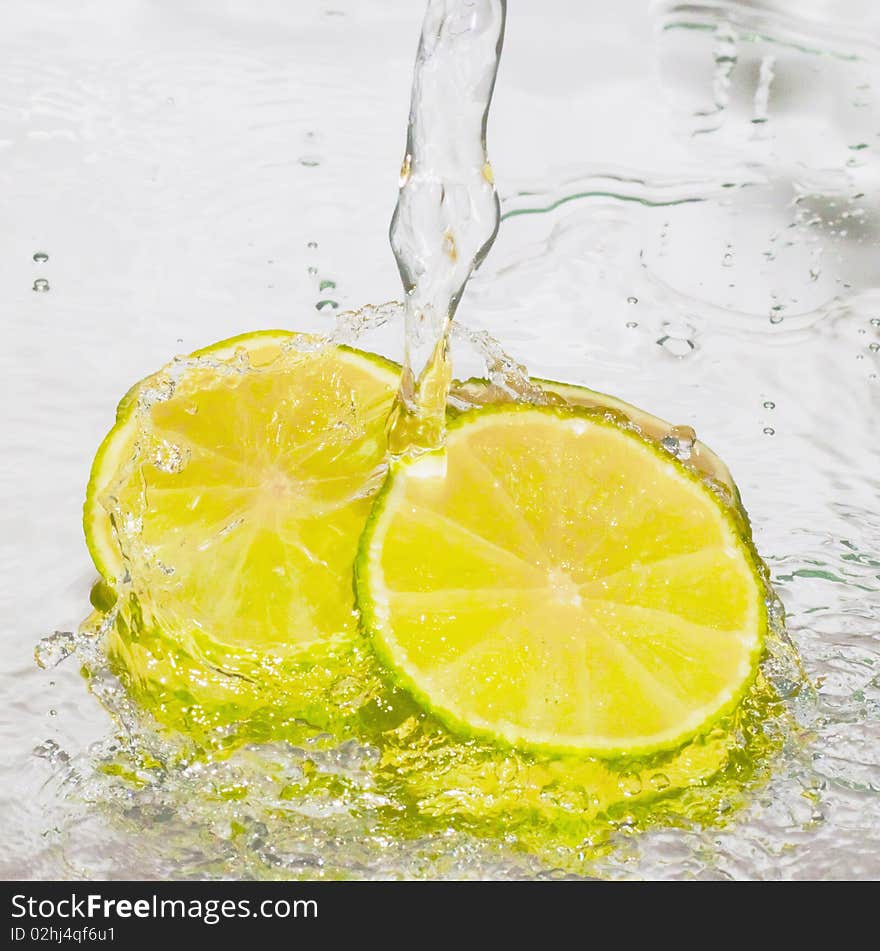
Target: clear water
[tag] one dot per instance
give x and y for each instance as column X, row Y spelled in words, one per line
column 690, row 222
column 447, row 212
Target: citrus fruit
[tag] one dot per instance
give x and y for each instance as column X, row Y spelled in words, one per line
column 567, row 586
column 239, row 481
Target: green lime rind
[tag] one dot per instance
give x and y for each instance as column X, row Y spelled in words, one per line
column 385, row 652
column 115, row 448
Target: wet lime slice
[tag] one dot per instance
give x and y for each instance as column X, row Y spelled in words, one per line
column 566, row 586
column 246, row 473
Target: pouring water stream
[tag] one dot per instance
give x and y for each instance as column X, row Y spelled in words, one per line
column 447, row 212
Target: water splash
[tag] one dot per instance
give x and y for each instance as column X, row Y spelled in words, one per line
column 55, row 648
column 275, row 766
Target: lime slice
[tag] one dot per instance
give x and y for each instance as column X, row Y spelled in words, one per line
column 240, row 480
column 567, row 586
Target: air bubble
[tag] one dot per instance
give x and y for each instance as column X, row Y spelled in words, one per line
column 874, row 347
column 309, row 161
column 875, row 321
column 769, row 431
column 632, row 324
column 41, row 285
column 769, row 404
column 41, row 257
column 324, row 305
column 630, row 784
column 312, row 245
column 326, row 285
column 632, row 300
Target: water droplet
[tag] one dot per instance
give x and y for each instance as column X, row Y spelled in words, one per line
column 323, row 305
column 41, row 257
column 313, row 271
column 875, row 321
column 312, row 245
column 632, row 300
column 326, row 285
column 309, row 161
column 630, row 784
column 776, row 318
column 53, row 649
column 874, row 347
column 680, row 441
column 53, row 713
column 51, row 751
column 769, row 431
column 660, row 781
column 769, row 404
column 631, row 324
column 41, row 285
